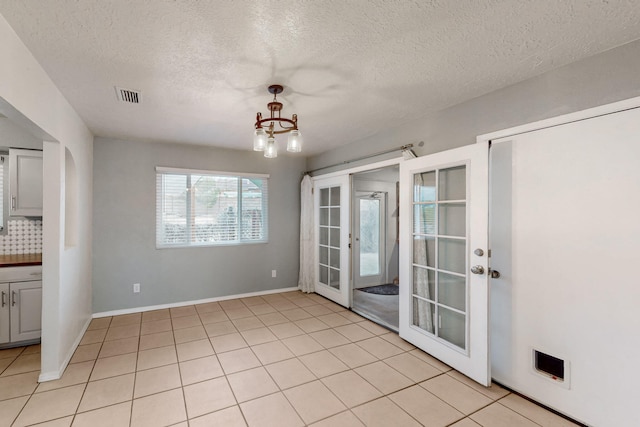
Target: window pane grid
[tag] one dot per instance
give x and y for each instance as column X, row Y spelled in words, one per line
column 439, row 227
column 206, row 210
column 329, row 237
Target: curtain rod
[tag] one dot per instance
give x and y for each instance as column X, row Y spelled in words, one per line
column 357, row 159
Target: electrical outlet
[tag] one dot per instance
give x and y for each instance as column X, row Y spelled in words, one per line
column 136, row 288
column 273, row 273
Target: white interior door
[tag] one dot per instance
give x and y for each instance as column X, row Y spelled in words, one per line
column 565, row 229
column 331, row 201
column 444, row 257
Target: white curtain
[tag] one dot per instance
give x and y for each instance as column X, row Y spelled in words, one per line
column 422, row 314
column 306, row 279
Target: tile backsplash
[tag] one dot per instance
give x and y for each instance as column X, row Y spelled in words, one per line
column 24, row 236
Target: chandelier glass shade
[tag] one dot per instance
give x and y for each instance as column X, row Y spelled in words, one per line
column 267, row 128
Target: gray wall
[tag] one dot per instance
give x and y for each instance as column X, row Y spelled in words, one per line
column 611, row 76
column 124, row 249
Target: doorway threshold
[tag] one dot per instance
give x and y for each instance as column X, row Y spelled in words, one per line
column 375, row 319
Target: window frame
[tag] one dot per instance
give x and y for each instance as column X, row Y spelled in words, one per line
column 162, row 171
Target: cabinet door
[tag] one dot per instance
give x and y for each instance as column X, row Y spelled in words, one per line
column 25, row 176
column 26, row 310
column 4, row 313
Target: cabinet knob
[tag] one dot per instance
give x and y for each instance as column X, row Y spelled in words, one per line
column 13, row 298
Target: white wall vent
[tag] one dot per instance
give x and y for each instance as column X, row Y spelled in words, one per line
column 129, row 96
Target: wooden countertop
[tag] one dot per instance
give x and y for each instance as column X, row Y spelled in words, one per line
column 20, row 260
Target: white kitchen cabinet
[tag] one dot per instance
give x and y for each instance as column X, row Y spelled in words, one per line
column 26, row 310
column 5, row 315
column 20, row 304
column 25, row 182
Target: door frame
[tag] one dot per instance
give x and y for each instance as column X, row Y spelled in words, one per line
column 381, row 277
column 589, row 113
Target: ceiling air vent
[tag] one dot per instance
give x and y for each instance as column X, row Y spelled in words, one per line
column 129, row 96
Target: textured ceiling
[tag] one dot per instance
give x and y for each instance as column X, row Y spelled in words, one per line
column 350, row 68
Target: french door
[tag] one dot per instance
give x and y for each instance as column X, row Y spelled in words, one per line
column 331, row 201
column 444, row 264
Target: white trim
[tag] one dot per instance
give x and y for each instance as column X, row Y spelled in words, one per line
column 185, row 303
column 589, row 113
column 165, row 169
column 362, row 168
column 56, row 375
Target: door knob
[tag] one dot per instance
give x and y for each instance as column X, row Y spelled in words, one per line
column 477, row 269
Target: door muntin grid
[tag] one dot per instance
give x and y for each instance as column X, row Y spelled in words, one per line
column 440, row 286
column 329, row 237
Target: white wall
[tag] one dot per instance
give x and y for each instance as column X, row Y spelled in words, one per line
column 30, row 99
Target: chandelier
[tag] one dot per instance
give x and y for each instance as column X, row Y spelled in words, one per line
column 264, row 139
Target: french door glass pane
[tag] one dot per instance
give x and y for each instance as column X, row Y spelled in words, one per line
column 453, row 184
column 424, row 283
column 335, row 196
column 324, row 216
column 369, row 237
column 334, row 278
column 324, row 255
column 329, row 237
column 334, row 260
column 425, row 219
column 423, row 314
column 335, row 217
column 451, row 255
column 424, row 251
column 440, row 242
column 424, row 187
column 324, row 197
column 452, row 218
column 334, row 237
column 324, row 236
column 324, row 274
column 452, row 326
column 451, row 291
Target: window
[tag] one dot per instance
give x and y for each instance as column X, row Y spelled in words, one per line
column 202, row 208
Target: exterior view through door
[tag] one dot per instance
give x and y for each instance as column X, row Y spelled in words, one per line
column 374, row 257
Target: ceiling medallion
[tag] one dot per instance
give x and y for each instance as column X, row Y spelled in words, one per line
column 263, row 138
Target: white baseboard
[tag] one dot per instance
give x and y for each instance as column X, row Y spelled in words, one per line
column 55, row 375
column 183, row 303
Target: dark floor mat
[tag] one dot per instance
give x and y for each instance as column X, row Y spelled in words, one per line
column 389, row 289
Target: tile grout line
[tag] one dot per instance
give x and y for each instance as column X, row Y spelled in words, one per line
column 264, row 366
column 184, row 397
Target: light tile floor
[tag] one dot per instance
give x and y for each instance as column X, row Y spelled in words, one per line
column 286, row 359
